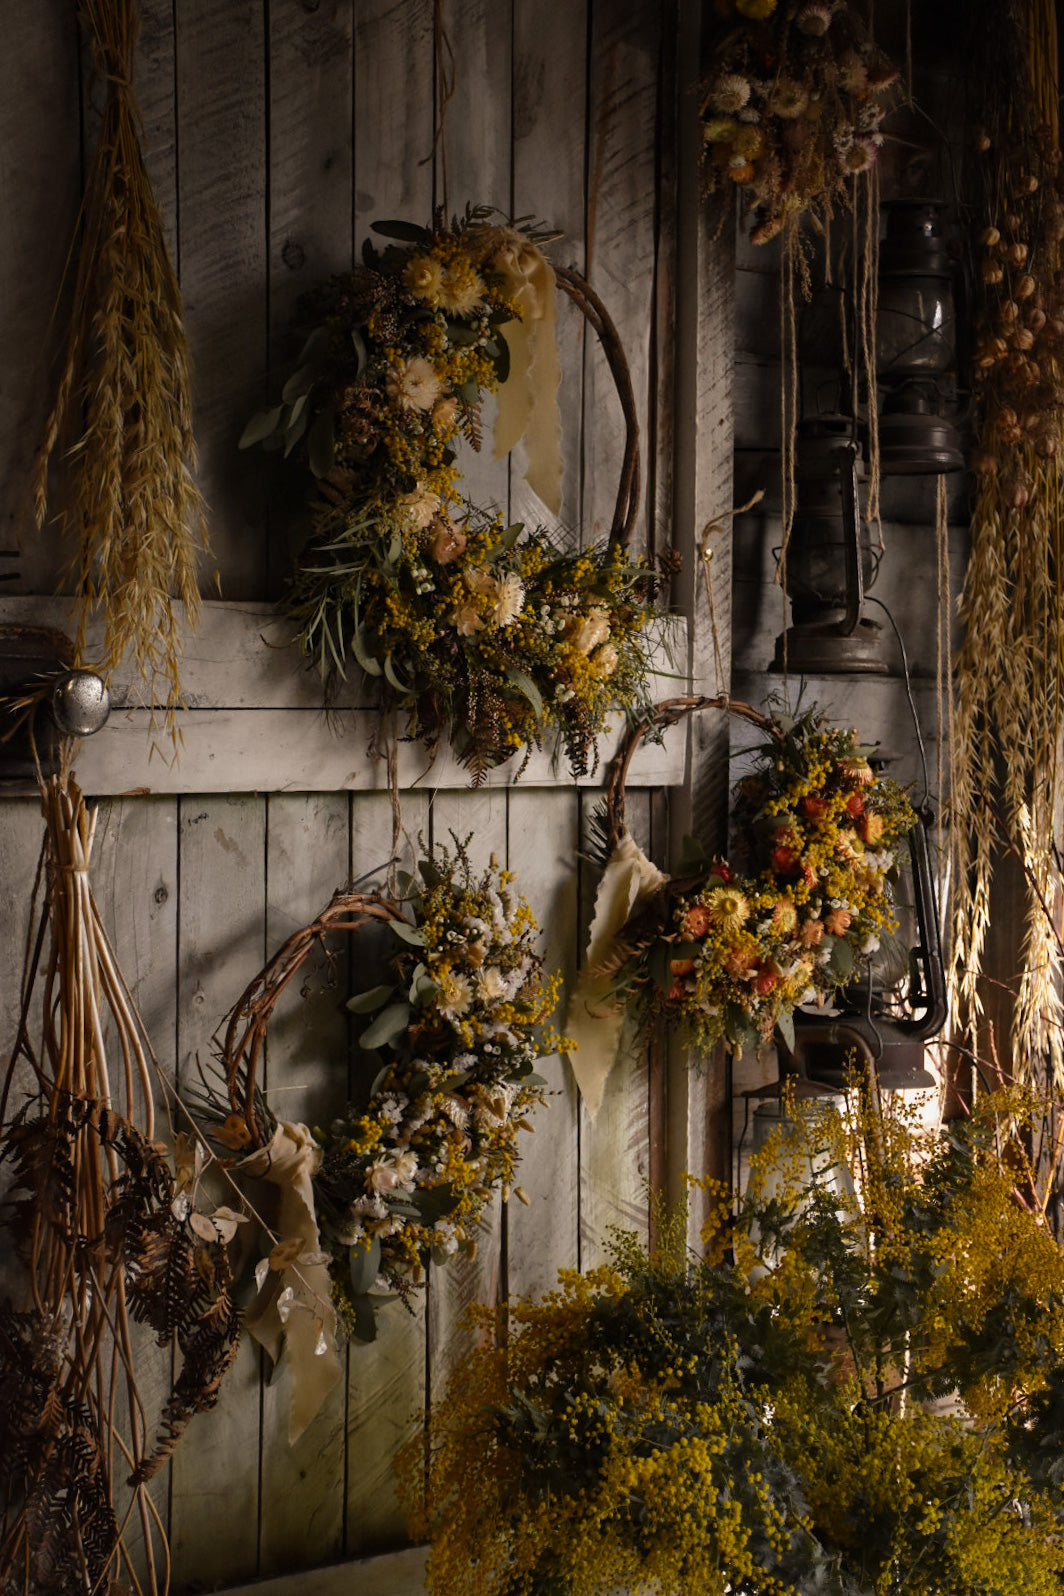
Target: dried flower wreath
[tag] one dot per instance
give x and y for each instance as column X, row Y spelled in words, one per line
column 731, row 950
column 485, row 632
column 403, row 1175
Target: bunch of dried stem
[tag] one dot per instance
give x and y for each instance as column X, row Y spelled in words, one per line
column 98, row 1238
column 118, row 454
column 1009, row 677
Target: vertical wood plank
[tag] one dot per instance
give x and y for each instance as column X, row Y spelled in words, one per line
column 475, row 150
column 40, row 170
column 214, row 1509
column 302, row 1490
column 386, row 1379
column 21, row 835
column 550, row 115
column 155, row 80
column 621, row 234
column 393, row 112
column 544, row 1237
column 134, row 876
column 615, row 1145
column 221, row 117
column 311, row 183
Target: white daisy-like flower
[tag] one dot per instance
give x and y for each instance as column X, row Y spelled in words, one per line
column 414, row 385
column 605, row 660
column 729, row 92
column 460, row 292
column 491, row 985
column 509, row 597
column 423, row 276
column 455, row 995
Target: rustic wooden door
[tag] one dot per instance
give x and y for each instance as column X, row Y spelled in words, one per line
column 276, row 131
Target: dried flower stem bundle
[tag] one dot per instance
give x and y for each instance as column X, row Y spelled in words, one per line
column 1009, row 719
column 98, row 1226
column 122, row 419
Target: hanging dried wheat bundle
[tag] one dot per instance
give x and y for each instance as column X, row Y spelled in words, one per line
column 99, row 1235
column 121, row 425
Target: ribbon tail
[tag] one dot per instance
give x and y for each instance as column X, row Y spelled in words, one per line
column 543, row 437
column 595, row 1019
column 514, row 398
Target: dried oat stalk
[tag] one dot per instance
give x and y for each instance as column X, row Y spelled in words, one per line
column 116, row 464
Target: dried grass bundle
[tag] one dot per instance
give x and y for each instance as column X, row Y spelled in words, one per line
column 122, row 415
column 99, row 1234
column 1009, row 679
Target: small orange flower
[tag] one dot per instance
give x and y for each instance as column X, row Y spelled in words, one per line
column 837, row 921
column 872, row 827
column 697, row 921
column 680, row 967
column 812, row 933
column 815, row 806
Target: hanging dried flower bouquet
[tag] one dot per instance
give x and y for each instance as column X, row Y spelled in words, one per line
column 805, row 898
column 486, row 633
column 792, row 107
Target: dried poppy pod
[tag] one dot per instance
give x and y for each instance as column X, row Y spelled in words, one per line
column 981, row 140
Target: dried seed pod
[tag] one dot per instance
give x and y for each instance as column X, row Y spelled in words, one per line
column 1023, row 337
column 1009, row 312
column 1026, row 183
column 1016, row 254
column 992, row 272
column 991, row 236
column 1013, row 222
column 1032, row 372
column 981, row 139
column 1025, row 286
column 984, row 465
column 1036, row 319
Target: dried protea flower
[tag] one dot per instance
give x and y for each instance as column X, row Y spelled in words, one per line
column 814, row 18
column 728, row 93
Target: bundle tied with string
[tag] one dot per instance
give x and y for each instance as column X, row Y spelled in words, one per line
column 492, row 636
column 405, row 1174
column 729, row 950
column 102, row 1234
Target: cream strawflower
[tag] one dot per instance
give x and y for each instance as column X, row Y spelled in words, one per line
column 423, row 276
column 729, row 92
column 413, row 385
column 467, row 619
column 455, row 996
column 420, row 507
column 588, row 631
column 509, row 597
column 491, row 985
column 605, row 660
column 461, row 290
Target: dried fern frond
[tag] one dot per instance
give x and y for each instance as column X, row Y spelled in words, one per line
column 118, row 454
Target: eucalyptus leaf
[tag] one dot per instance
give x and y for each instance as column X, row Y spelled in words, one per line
column 527, row 688
column 365, row 1327
column 468, row 392
column 321, row 443
column 394, row 679
column 408, row 933
column 406, row 232
column 361, row 652
column 785, row 1026
column 299, row 384
column 434, row 1202
column 366, row 1002
column 364, row 1263
column 315, row 352
column 460, row 335
column 389, row 1024
column 297, row 426
column 841, row 963
column 361, row 352
column 261, row 425
column 429, row 873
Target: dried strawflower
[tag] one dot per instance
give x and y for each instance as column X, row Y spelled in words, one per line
column 814, row 18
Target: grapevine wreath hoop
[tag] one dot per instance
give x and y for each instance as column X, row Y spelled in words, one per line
column 488, row 635
column 730, row 950
column 450, row 1039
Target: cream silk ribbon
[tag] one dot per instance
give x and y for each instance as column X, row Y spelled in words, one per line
column 528, row 399
column 294, row 1309
column 595, row 1021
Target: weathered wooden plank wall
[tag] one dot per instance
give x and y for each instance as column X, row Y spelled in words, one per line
column 276, row 131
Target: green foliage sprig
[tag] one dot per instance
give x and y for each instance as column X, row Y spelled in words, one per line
column 762, row 1416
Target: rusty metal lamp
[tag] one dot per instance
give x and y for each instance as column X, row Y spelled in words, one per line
column 830, row 559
